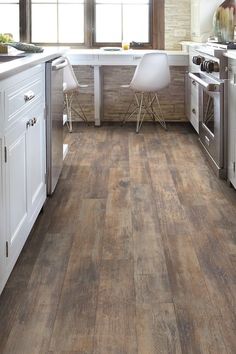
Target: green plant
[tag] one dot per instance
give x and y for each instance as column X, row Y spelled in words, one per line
column 5, row 38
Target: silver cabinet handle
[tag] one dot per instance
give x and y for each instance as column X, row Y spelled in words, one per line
column 59, row 63
column 194, row 111
column 31, row 122
column 209, row 86
column 194, row 83
column 28, row 96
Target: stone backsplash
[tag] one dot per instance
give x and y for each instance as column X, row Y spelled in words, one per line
column 177, row 23
column 116, row 99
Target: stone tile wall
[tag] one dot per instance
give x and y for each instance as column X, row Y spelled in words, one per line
column 177, row 23
column 116, row 99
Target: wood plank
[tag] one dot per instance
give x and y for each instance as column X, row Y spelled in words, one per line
column 115, row 329
column 117, row 238
column 157, row 330
column 75, row 320
column 198, row 320
column 35, row 319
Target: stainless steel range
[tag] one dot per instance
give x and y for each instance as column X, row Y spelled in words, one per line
column 212, row 103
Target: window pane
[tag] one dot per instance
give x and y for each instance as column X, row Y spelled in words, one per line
column 108, row 23
column 9, row 2
column 136, row 23
column 71, row 23
column 122, row 1
column 43, row 1
column 71, row 1
column 7, row 12
column 44, row 23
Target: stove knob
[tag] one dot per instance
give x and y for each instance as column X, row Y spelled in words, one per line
column 212, row 66
column 203, row 66
column 197, row 60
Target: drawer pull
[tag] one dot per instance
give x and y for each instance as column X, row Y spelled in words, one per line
column 31, row 122
column 137, row 58
column 194, row 111
column 28, row 96
column 194, row 83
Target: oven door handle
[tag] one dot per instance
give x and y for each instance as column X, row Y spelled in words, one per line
column 212, row 87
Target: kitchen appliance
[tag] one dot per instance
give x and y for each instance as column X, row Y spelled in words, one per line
column 202, row 13
column 54, row 120
column 211, row 78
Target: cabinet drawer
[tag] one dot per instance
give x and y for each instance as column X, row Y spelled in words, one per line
column 194, row 87
column 23, row 95
column 110, row 59
column 194, row 113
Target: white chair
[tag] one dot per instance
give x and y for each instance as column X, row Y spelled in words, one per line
column 71, row 87
column 151, row 75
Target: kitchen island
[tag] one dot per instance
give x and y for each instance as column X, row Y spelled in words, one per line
column 22, row 151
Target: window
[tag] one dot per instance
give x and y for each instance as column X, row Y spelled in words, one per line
column 57, row 21
column 122, row 19
column 10, row 10
column 84, row 23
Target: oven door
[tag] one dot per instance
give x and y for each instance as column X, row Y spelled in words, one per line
column 211, row 115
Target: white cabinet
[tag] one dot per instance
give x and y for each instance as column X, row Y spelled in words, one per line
column 192, row 94
column 232, row 122
column 2, row 223
column 202, row 13
column 23, row 164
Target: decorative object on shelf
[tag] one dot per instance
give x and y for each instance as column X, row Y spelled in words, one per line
column 224, row 21
column 26, row 47
column 125, row 45
column 5, row 39
column 111, row 49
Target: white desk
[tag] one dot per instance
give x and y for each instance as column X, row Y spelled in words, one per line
column 99, row 58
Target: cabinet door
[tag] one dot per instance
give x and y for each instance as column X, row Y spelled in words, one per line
column 16, row 190
column 192, row 102
column 36, row 162
column 2, row 221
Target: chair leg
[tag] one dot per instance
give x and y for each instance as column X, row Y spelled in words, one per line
column 69, row 108
column 68, row 111
column 162, row 118
column 139, row 121
column 128, row 115
column 80, row 115
column 157, row 115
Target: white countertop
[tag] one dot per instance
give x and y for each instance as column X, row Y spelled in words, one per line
column 123, row 57
column 86, row 57
column 17, row 65
column 230, row 54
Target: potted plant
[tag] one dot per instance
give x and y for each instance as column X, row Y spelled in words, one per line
column 5, row 38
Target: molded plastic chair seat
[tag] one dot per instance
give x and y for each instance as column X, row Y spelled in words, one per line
column 71, row 87
column 151, row 75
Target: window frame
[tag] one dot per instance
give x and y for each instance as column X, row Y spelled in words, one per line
column 96, row 44
column 156, row 28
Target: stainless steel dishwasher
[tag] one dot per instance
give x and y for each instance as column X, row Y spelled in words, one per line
column 54, row 120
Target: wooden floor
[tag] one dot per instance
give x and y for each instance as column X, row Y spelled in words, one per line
column 134, row 254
